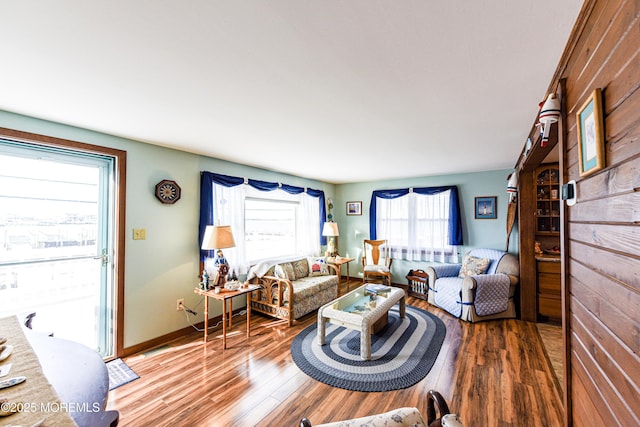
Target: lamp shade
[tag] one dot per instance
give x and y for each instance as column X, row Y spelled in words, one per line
column 218, row 237
column 330, row 229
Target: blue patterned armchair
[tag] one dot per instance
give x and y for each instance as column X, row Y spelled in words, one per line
column 482, row 287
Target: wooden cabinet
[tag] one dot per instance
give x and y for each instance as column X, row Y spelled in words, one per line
column 548, row 200
column 547, row 232
column 548, row 292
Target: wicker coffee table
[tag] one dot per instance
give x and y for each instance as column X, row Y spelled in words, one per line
column 362, row 311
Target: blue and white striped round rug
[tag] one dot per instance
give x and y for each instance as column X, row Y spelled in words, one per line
column 402, row 353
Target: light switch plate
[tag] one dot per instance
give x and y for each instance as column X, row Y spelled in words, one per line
column 139, row 234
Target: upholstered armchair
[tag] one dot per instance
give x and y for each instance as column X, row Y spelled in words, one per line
column 482, row 287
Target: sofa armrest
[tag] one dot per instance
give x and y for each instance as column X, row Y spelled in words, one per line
column 442, row 270
column 471, row 284
column 272, row 284
column 509, row 264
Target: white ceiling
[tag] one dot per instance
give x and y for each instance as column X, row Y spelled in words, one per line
column 334, row 90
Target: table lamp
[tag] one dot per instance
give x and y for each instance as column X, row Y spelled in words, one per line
column 330, row 229
column 218, row 237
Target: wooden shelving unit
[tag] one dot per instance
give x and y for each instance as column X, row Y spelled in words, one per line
column 547, row 230
column 536, row 185
column 547, row 200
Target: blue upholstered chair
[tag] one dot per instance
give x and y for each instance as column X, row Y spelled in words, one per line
column 482, row 287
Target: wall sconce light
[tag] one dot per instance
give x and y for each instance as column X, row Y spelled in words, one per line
column 549, row 113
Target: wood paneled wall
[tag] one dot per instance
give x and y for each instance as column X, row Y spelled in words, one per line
column 602, row 231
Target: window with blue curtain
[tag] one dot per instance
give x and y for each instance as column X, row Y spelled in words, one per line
column 419, row 224
column 228, row 200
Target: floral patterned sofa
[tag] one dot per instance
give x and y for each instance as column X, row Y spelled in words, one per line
column 402, row 417
column 291, row 289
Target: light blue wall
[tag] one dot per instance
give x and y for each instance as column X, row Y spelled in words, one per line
column 165, row 266
column 489, row 233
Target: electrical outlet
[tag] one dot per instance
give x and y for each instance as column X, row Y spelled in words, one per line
column 180, row 304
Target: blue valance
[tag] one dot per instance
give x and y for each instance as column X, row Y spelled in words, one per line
column 208, row 179
column 455, row 221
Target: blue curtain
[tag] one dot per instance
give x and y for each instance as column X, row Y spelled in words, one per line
column 455, row 222
column 208, row 179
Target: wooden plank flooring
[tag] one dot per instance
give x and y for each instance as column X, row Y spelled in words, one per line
column 551, row 336
column 491, row 373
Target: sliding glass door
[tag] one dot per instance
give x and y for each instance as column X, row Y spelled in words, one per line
column 57, row 241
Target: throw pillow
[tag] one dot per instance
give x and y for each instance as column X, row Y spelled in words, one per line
column 288, row 271
column 280, row 272
column 318, row 266
column 300, row 268
column 472, row 266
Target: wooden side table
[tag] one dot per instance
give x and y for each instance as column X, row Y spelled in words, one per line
column 223, row 296
column 339, row 263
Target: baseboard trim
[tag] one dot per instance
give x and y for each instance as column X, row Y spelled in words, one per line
column 165, row 339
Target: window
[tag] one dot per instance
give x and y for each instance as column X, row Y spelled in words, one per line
column 419, row 224
column 269, row 228
column 268, row 220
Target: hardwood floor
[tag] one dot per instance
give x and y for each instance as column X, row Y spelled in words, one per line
column 491, row 373
column 551, row 335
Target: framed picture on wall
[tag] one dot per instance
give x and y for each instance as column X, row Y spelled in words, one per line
column 354, row 208
column 485, row 207
column 591, row 134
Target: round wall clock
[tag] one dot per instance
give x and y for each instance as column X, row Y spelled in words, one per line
column 168, row 191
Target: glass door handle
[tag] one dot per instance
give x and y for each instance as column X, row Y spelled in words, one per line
column 104, row 257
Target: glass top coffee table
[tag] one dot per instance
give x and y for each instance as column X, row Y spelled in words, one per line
column 364, row 309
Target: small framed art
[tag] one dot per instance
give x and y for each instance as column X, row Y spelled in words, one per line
column 486, row 207
column 354, row 208
column 591, row 134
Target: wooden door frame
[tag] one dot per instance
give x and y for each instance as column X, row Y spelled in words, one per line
column 120, row 174
column 527, row 165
